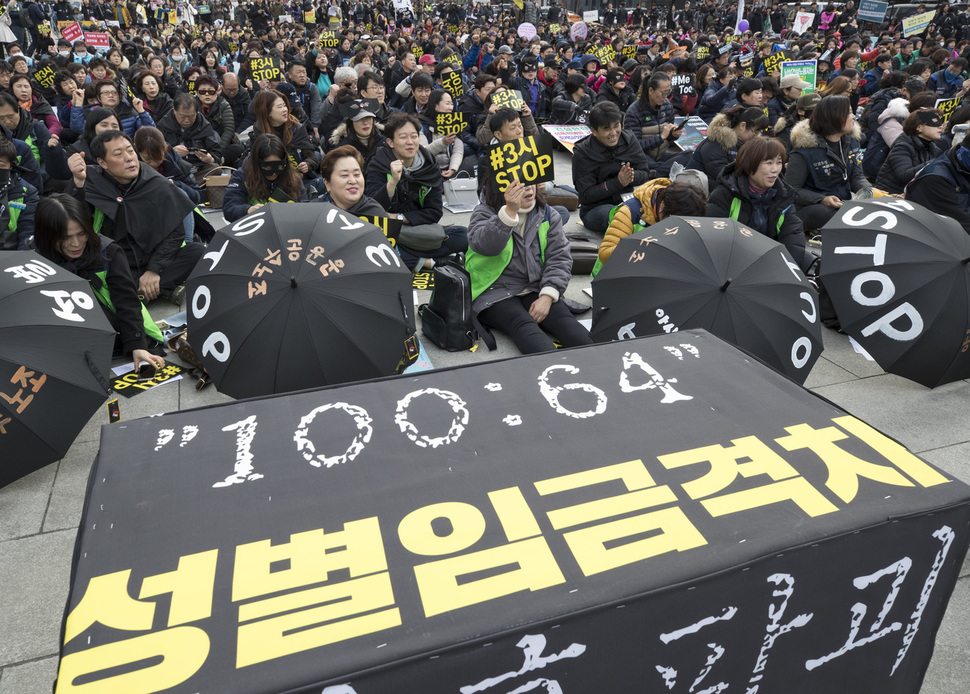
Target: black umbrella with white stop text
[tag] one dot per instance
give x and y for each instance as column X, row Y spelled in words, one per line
column 299, row 295
column 55, row 356
column 714, row 274
column 899, row 278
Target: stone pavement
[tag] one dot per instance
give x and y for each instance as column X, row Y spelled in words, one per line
column 40, row 513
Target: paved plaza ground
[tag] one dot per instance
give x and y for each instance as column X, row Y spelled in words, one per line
column 39, row 514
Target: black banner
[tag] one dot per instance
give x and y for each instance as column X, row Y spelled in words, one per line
column 527, row 160
column 662, row 514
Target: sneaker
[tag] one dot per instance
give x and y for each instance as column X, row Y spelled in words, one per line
column 177, row 296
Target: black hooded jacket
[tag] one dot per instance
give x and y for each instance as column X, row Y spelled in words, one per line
column 418, row 193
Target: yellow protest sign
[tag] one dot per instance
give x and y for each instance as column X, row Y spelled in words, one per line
column 449, row 123
column 527, row 160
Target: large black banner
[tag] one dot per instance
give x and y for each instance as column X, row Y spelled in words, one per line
column 662, row 514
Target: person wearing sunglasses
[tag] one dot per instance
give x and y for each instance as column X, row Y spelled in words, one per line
column 215, row 109
column 727, row 132
column 532, row 89
column 266, row 174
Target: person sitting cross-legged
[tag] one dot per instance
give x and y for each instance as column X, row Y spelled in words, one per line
column 406, row 181
column 519, row 264
column 140, row 210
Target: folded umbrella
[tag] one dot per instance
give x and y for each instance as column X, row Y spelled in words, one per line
column 298, row 296
column 899, row 279
column 714, row 274
column 55, row 356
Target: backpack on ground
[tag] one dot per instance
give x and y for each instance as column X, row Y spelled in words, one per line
column 447, row 319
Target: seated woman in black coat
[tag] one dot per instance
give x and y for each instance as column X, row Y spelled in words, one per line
column 727, row 132
column 65, row 236
column 752, row 191
column 915, row 148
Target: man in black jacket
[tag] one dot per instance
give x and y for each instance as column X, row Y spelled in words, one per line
column 140, row 210
column 606, row 164
column 239, row 99
column 191, row 136
column 406, row 181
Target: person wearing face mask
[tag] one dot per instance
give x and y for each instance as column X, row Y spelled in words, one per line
column 82, row 54
column 265, row 171
column 752, row 190
column 18, row 201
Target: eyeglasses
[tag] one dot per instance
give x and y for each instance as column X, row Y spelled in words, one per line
column 205, row 92
column 108, row 92
column 350, row 84
column 663, row 94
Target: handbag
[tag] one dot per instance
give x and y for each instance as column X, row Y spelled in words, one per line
column 447, row 319
column 422, row 237
column 461, row 193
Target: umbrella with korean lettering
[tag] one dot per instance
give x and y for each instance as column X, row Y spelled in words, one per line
column 714, row 274
column 299, row 295
column 898, row 275
column 55, row 357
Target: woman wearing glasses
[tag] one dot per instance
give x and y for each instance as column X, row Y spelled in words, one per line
column 727, row 132
column 265, row 171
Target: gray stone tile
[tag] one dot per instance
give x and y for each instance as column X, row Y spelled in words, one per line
column 34, row 582
column 35, row 677
column 955, row 460
column 67, row 496
column 838, row 351
column 949, row 670
column 190, row 398
column 920, row 418
column 826, row 373
column 23, row 502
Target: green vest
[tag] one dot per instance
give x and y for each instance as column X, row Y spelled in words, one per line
column 485, row 269
column 14, row 213
column 104, row 297
column 735, row 212
column 32, row 143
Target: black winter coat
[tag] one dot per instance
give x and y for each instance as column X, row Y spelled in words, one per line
column 783, row 223
column 595, row 169
column 908, row 155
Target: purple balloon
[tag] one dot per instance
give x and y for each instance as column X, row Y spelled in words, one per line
column 743, row 25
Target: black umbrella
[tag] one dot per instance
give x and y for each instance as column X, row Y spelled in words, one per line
column 899, row 279
column 55, row 356
column 714, row 274
column 299, row 295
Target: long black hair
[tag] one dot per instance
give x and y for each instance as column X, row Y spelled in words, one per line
column 54, row 213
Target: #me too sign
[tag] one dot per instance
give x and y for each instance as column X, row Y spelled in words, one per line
column 618, row 518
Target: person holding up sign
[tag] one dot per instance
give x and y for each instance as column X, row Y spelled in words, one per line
column 915, row 148
column 449, row 152
column 606, row 164
column 519, row 263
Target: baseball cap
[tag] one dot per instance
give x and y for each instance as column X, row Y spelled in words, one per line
column 808, row 102
column 427, row 59
column 574, row 65
column 789, row 81
column 506, row 50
